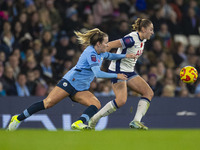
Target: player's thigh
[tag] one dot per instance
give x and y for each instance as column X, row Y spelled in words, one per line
column 55, row 96
column 86, row 98
column 120, row 90
column 140, row 86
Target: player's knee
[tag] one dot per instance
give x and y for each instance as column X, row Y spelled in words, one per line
column 150, row 94
column 121, row 101
column 48, row 103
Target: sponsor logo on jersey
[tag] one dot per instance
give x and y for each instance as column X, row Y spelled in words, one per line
column 93, row 58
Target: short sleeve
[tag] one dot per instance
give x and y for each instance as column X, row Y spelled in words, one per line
column 92, row 59
column 127, row 42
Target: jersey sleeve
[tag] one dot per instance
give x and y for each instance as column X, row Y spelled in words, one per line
column 92, row 59
column 113, row 56
column 127, row 42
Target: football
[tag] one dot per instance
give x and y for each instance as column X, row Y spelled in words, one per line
column 188, row 74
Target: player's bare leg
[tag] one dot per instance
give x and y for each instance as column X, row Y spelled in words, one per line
column 55, row 96
column 140, row 86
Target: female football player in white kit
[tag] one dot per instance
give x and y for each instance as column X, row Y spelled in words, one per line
column 143, row 31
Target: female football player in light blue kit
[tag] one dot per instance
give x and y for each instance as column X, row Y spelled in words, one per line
column 76, row 82
column 144, row 30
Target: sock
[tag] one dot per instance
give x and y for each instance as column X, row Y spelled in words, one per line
column 109, row 108
column 142, row 108
column 31, row 110
column 88, row 113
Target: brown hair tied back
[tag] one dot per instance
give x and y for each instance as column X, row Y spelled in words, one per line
column 139, row 23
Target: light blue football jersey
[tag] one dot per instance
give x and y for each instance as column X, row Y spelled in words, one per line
column 81, row 75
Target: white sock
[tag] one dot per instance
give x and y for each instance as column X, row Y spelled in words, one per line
column 105, row 111
column 142, row 108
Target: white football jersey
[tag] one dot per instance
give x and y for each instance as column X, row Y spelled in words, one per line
column 127, row 64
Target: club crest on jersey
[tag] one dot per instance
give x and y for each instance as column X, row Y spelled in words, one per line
column 127, row 40
column 65, row 84
column 93, row 58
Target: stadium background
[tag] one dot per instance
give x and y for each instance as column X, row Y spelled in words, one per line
column 37, row 43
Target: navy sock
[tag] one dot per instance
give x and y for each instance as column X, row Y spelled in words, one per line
column 31, row 110
column 88, row 113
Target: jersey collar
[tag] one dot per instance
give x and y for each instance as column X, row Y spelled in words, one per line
column 139, row 37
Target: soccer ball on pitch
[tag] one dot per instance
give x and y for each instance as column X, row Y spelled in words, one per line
column 188, row 74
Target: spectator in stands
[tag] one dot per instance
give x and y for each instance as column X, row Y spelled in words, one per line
column 47, row 69
column 155, row 85
column 37, row 48
column 8, row 81
column 62, row 45
column 173, row 25
column 120, row 30
column 103, row 10
column 45, row 19
column 30, row 64
column 161, row 69
column 165, row 36
column 54, row 14
column 72, row 17
column 184, row 93
column 18, row 33
column 31, row 82
column 9, row 7
column 14, row 63
column 88, row 22
column 47, row 39
column 155, row 52
column 2, row 57
column 179, row 55
column 191, row 22
column 177, row 6
column 168, row 91
column 21, row 87
column 157, row 18
column 23, row 19
column 35, row 26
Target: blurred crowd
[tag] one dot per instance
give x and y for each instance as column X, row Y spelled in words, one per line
column 38, row 45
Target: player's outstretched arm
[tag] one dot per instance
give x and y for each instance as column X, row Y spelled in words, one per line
column 124, row 42
column 113, row 44
column 113, row 56
column 101, row 74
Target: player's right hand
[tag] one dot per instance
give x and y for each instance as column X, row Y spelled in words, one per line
column 122, row 76
column 133, row 56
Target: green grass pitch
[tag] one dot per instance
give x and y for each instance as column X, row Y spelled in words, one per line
column 117, row 139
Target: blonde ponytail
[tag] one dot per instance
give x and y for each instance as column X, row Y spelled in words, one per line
column 90, row 37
